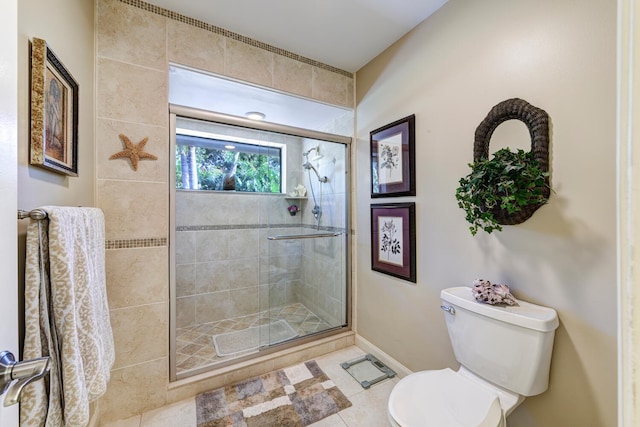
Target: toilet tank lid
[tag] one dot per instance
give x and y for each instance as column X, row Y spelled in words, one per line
column 524, row 314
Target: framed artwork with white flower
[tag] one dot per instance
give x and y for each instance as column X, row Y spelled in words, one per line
column 393, row 239
column 392, row 159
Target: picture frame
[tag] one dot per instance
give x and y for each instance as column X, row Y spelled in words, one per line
column 393, row 159
column 393, row 239
column 54, row 112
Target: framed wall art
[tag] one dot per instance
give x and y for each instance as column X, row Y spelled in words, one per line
column 393, row 159
column 393, row 239
column 54, row 112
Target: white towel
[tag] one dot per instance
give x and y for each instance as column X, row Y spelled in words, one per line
column 66, row 316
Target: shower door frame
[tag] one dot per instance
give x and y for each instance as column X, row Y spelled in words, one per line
column 225, row 119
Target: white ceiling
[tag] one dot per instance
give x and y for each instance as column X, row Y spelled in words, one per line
column 345, row 34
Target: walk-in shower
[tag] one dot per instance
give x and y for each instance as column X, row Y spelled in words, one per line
column 251, row 272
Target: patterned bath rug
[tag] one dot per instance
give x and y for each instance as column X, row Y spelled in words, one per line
column 291, row 397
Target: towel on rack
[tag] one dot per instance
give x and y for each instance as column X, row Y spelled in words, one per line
column 66, row 316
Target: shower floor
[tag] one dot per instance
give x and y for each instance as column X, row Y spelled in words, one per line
column 194, row 344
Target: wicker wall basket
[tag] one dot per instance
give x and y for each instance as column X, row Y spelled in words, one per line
column 537, row 121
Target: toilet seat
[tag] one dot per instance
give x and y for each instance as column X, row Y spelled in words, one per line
column 443, row 398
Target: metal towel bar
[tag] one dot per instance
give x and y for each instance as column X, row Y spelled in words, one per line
column 303, row 236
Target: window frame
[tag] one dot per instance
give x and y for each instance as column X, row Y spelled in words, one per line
column 239, row 140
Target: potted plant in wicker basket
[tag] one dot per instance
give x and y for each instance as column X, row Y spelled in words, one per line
column 510, row 187
column 509, row 184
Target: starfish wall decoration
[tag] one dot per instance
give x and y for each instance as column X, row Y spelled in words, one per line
column 133, row 152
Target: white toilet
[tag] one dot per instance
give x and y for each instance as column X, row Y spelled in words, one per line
column 505, row 354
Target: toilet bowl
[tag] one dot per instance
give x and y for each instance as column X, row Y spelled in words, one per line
column 448, row 398
column 505, row 355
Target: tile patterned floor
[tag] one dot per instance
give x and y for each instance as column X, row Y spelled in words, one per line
column 194, row 344
column 369, row 407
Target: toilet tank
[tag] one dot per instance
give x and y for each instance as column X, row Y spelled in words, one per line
column 509, row 346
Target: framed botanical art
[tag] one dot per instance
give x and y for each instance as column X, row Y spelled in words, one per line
column 392, row 159
column 54, row 112
column 393, row 239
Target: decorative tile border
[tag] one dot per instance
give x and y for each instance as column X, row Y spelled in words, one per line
column 230, row 34
column 162, row 241
column 135, row 243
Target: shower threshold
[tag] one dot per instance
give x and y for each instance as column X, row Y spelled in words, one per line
column 195, row 345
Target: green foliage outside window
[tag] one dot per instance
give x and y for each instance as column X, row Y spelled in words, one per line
column 256, row 173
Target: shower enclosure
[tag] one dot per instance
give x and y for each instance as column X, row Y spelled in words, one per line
column 259, row 238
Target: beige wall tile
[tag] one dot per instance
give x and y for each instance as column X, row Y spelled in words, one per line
column 243, row 302
column 292, row 76
column 140, row 333
column 130, row 34
column 249, row 63
column 133, row 209
column 329, row 86
column 132, row 99
column 275, row 295
column 195, row 47
column 137, row 276
column 195, row 208
column 185, row 247
column 244, row 243
column 135, row 389
column 131, row 93
column 212, row 307
column 212, row 277
column 351, row 91
column 243, row 273
column 212, row 245
column 108, row 142
column 185, row 280
column 185, row 311
column 186, row 208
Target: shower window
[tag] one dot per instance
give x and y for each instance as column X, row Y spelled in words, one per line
column 211, row 162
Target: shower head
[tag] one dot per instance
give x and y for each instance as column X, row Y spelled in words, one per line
column 308, row 166
column 318, row 156
column 307, row 163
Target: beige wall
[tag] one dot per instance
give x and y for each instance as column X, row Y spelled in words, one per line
column 68, row 28
column 449, row 72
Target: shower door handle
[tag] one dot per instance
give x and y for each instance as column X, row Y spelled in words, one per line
column 303, row 236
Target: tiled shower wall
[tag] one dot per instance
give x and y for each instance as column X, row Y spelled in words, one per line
column 135, row 43
column 225, row 266
column 322, row 287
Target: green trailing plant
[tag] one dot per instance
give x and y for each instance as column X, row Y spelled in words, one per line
column 509, row 181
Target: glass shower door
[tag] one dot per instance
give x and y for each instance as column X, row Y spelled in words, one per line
column 306, row 239
column 258, row 240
